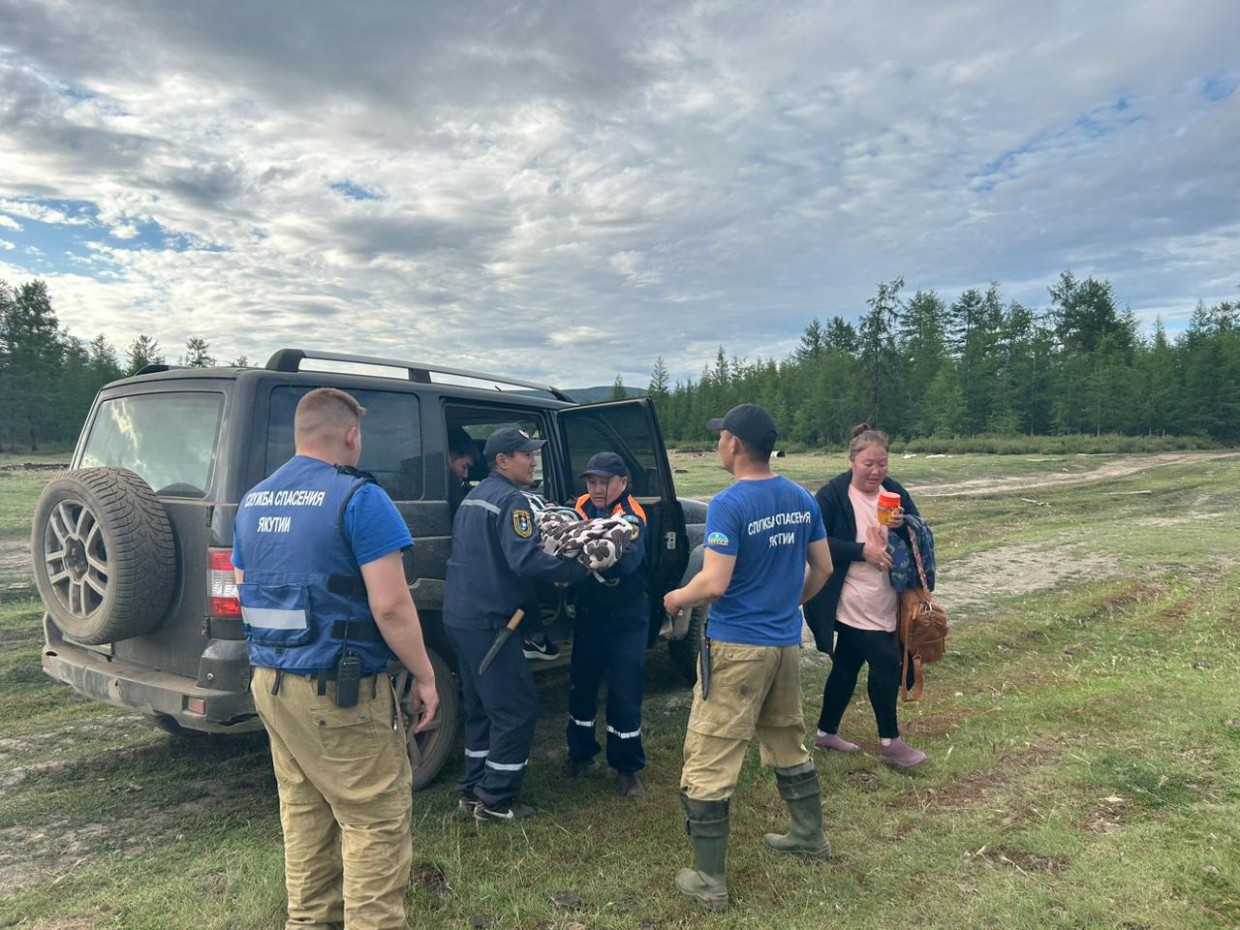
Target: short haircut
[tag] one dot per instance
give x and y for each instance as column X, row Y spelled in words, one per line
column 460, row 443
column 754, row 453
column 326, row 410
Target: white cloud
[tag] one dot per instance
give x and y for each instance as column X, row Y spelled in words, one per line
column 486, row 183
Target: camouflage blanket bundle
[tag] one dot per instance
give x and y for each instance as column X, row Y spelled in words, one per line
column 597, row 544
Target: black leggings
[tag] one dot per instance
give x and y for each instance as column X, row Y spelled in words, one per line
column 852, row 648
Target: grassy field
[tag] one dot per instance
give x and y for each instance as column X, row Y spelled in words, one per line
column 1084, row 734
column 19, row 489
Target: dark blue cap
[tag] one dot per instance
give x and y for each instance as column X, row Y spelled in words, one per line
column 607, row 464
column 510, row 440
column 750, row 423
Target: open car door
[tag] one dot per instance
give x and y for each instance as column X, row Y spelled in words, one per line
column 631, row 429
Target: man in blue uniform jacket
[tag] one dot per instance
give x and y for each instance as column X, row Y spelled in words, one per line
column 495, row 554
column 609, row 636
column 317, row 550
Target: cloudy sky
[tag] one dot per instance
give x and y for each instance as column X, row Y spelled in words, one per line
column 564, row 190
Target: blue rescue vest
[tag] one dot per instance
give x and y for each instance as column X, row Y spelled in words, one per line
column 303, row 598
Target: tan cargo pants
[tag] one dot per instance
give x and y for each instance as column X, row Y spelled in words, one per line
column 345, row 802
column 754, row 690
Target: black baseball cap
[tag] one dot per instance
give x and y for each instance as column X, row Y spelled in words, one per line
column 607, row 464
column 750, row 423
column 510, row 440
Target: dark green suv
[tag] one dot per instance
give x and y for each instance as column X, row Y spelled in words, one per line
column 131, row 546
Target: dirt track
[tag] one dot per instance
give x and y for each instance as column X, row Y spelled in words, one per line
column 978, row 581
column 1122, row 466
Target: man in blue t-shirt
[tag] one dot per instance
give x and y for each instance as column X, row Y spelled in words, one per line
column 760, row 534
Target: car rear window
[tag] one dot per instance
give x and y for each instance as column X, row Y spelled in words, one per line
column 168, row 439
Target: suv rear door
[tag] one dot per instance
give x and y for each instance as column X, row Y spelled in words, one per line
column 631, row 429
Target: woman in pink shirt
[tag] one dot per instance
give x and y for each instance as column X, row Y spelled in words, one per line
column 854, row 616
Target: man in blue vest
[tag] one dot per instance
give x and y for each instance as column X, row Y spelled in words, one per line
column 609, row 636
column 317, row 550
column 496, row 554
column 761, row 532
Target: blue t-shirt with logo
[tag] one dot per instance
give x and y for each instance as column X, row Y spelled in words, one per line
column 768, row 526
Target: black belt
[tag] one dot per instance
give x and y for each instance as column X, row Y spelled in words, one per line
column 357, row 631
column 321, row 675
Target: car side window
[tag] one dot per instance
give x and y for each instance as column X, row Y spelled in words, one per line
column 391, row 437
column 477, row 423
column 624, row 431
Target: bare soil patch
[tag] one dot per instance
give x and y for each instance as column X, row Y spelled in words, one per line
column 1008, row 571
column 35, row 466
column 15, row 564
column 1121, row 467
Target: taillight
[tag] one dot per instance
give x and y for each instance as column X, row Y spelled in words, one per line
column 222, row 596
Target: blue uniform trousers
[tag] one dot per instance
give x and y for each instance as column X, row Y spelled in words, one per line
column 501, row 708
column 611, row 647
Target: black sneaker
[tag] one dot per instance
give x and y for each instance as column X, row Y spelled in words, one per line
column 467, row 804
column 505, row 810
column 544, row 651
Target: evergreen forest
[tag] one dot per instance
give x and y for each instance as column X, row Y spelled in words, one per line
column 914, row 365
column 918, row 366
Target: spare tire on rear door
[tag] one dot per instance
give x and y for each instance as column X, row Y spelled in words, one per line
column 104, row 555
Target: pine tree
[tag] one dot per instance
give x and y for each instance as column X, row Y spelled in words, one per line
column 31, row 359
column 197, row 353
column 143, row 351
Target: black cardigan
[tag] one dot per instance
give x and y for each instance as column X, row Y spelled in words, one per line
column 841, row 522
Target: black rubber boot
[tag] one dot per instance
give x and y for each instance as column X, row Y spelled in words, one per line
column 801, row 793
column 707, row 825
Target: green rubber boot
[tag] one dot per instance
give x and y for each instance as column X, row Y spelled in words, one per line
column 707, row 825
column 799, row 789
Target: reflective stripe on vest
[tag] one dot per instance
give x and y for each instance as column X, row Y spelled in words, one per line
column 273, row 618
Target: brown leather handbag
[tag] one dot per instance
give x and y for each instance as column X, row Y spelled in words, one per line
column 922, row 630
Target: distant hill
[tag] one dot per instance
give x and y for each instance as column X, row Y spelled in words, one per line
column 592, row 395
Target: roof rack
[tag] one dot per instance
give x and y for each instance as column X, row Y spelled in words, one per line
column 155, row 368
column 291, row 359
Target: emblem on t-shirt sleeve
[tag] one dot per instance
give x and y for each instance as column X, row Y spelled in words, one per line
column 522, row 523
column 637, row 524
column 717, row 539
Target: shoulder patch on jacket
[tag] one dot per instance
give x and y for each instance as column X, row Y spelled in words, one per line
column 636, row 521
column 522, row 523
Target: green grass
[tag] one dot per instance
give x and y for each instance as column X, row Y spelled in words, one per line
column 1084, row 771
column 20, row 489
column 18, row 493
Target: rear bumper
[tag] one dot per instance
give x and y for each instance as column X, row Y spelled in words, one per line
column 148, row 691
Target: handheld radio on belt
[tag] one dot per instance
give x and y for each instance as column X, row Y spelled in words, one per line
column 348, row 677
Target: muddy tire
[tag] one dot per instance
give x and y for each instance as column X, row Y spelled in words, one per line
column 685, row 652
column 430, row 750
column 103, row 555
